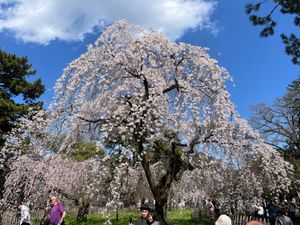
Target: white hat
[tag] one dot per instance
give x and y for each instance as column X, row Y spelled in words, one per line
column 223, row 220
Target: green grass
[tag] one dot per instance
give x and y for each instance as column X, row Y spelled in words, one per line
column 177, row 217
column 183, row 217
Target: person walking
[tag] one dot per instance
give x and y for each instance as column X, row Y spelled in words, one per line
column 25, row 214
column 57, row 212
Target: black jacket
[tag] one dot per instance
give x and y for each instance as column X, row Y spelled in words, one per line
column 141, row 221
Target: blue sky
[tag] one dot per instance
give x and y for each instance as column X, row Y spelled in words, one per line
column 51, row 38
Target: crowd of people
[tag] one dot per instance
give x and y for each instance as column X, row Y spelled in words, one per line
column 279, row 213
column 275, row 212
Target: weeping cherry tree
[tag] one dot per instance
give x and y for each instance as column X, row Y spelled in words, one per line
column 150, row 99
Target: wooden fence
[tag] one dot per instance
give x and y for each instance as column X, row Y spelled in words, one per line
column 200, row 214
column 203, row 214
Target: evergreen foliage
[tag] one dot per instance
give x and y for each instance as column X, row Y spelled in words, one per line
column 292, row 7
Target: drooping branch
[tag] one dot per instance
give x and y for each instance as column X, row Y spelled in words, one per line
column 90, row 120
column 172, row 87
column 66, row 195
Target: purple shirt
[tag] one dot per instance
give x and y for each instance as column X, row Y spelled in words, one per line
column 56, row 213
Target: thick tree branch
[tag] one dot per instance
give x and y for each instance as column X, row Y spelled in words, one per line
column 173, row 86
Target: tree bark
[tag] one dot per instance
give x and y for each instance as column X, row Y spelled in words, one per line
column 84, row 204
column 161, row 208
column 160, row 191
column 83, row 211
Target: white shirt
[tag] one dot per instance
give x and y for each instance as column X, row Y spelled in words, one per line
column 260, row 210
column 25, row 215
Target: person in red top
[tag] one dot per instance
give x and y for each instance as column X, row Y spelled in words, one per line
column 57, row 213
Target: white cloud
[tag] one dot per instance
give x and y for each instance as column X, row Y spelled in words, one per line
column 42, row 21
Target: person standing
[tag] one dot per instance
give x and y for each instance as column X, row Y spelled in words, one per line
column 151, row 220
column 254, row 222
column 292, row 210
column 210, row 207
column 57, row 212
column 259, row 210
column 145, row 210
column 25, row 214
column 216, row 208
column 283, row 219
column 272, row 210
column 223, row 220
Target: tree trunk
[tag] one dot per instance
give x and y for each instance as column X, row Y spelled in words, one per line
column 3, row 173
column 2, row 182
column 160, row 191
column 83, row 203
column 161, row 209
column 83, row 211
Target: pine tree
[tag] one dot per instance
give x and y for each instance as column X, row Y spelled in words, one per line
column 13, row 84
